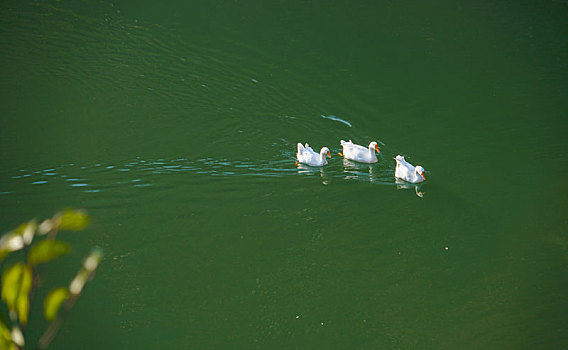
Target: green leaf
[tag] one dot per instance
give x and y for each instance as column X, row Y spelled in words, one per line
column 27, row 231
column 53, row 302
column 4, row 253
column 73, row 219
column 47, row 250
column 17, row 239
column 5, row 337
column 23, row 302
column 10, row 242
column 16, row 287
column 11, row 282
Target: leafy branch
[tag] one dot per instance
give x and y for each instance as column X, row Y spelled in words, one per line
column 20, row 280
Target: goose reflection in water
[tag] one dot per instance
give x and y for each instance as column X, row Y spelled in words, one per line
column 360, row 171
column 403, row 185
column 304, row 169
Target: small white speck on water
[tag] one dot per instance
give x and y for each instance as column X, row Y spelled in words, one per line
column 446, row 248
column 297, row 316
column 322, row 323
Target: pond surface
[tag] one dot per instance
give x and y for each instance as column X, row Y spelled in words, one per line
column 175, row 125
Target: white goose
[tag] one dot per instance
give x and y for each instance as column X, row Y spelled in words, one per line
column 408, row 172
column 360, row 153
column 306, row 155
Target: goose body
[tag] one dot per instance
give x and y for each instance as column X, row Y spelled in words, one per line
column 408, row 172
column 306, row 155
column 360, row 153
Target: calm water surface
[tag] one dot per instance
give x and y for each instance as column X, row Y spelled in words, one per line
column 175, row 125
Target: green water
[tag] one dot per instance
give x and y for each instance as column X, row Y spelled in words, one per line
column 175, row 124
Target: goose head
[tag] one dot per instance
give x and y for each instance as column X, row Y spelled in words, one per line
column 325, row 152
column 420, row 171
column 374, row 146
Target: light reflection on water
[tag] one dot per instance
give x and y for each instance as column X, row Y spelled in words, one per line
column 403, row 185
column 304, row 169
column 359, row 171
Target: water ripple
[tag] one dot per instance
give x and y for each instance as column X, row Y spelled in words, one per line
column 146, row 173
column 332, row 117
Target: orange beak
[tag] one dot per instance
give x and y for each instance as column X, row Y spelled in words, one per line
column 377, row 149
column 423, row 176
column 328, row 154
